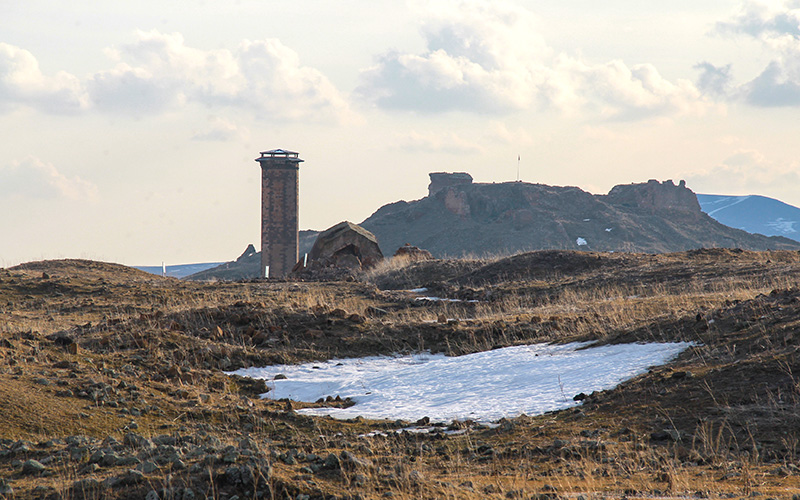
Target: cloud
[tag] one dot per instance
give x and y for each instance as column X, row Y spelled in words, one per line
column 779, row 31
column 620, row 92
column 23, row 83
column 746, row 171
column 34, row 178
column 758, row 20
column 159, row 72
column 713, row 79
column 775, row 86
column 433, row 142
column 487, row 57
column 221, row 129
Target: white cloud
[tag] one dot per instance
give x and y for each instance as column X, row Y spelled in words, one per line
column 617, row 91
column 774, row 25
column 487, row 57
column 746, row 171
column 499, row 132
column 433, row 142
column 778, row 29
column 159, row 72
column 221, row 129
column 23, row 83
column 34, row 178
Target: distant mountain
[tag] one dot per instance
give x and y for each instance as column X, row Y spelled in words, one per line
column 754, row 214
column 179, row 271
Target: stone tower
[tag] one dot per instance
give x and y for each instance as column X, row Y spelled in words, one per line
column 279, row 211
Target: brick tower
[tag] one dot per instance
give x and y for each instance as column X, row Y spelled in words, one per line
column 279, row 211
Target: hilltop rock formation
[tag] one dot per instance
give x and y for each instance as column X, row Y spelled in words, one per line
column 441, row 180
column 654, row 196
column 462, row 218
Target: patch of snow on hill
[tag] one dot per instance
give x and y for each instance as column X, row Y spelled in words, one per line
column 484, row 386
column 783, row 226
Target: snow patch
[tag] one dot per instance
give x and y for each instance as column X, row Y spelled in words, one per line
column 484, row 386
column 581, row 242
column 782, row 225
column 440, row 299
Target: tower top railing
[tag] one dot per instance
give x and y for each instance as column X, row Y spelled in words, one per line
column 279, row 153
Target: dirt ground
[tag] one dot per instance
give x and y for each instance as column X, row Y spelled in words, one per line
column 112, row 383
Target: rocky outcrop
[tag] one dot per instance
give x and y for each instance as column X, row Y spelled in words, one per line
column 654, row 196
column 249, row 252
column 441, row 180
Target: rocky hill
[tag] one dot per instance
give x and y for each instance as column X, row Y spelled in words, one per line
column 478, row 218
column 461, row 218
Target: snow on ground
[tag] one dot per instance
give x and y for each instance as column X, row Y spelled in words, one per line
column 484, row 386
column 581, row 242
column 782, row 225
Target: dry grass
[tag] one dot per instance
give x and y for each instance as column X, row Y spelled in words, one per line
column 733, row 416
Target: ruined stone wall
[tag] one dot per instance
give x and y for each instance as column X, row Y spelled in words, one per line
column 655, row 196
column 279, row 216
column 441, row 180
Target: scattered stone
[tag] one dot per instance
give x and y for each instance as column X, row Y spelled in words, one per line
column 332, row 462
column 230, row 455
column 666, row 435
column 84, row 487
column 32, row 467
column 147, row 467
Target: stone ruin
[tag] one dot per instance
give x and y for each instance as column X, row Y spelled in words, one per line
column 654, row 196
column 441, row 180
column 343, row 246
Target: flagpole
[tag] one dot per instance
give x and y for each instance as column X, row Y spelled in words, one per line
column 518, row 168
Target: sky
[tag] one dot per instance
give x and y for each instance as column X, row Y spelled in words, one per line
column 130, row 129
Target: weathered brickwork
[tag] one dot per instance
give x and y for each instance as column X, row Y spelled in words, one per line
column 279, row 211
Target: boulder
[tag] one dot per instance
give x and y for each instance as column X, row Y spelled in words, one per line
column 345, row 245
column 412, row 253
